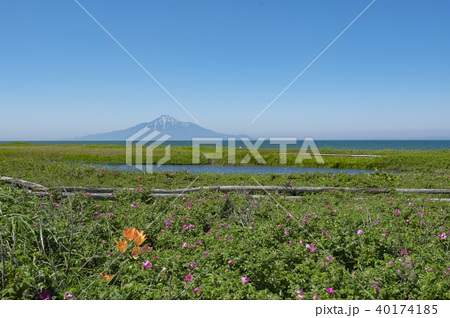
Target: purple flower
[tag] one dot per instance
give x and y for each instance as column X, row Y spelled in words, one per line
column 359, row 232
column 231, row 262
column 330, row 290
column 188, row 278
column 286, row 232
column 313, row 250
column 186, row 245
column 207, row 253
column 196, row 289
column 44, row 294
column 377, row 288
column 385, row 234
column 229, row 239
column 315, row 297
column 304, row 221
column 111, row 214
column 397, row 212
column 245, row 280
column 192, row 266
column 442, row 236
column 404, row 252
column 299, row 292
column 147, row 265
column 288, row 215
column 68, row 296
column 329, row 258
column 37, row 224
column 95, row 217
column 390, row 262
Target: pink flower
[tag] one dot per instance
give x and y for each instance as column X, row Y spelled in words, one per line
column 188, row 278
column 313, row 250
column 231, row 262
column 385, row 234
column 286, row 232
column 304, row 221
column 288, row 215
column 329, row 258
column 147, row 265
column 442, row 236
column 55, row 204
column 377, row 288
column 207, row 253
column 404, row 252
column 68, row 296
column 245, row 280
column 192, row 266
column 196, row 289
column 299, row 292
column 359, row 232
column 330, row 290
column 185, row 245
column 315, row 297
column 229, row 239
column 37, row 224
column 390, row 262
column 397, row 212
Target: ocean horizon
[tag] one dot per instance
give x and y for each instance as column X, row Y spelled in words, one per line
column 321, row 144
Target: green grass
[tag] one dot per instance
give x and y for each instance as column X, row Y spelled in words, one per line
column 402, row 160
column 63, row 244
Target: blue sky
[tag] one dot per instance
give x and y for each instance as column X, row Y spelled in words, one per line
column 386, row 77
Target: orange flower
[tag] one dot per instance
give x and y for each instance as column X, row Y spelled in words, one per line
column 141, row 238
column 139, row 250
column 122, row 245
column 106, row 276
column 131, row 234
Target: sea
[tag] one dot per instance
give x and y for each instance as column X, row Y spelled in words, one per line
column 321, row 144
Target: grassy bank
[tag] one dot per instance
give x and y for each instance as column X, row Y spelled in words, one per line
column 402, row 160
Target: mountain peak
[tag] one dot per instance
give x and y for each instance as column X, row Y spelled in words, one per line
column 165, row 121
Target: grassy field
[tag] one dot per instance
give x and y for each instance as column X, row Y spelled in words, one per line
column 211, row 245
column 401, row 160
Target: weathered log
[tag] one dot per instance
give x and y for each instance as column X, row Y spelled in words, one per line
column 432, row 191
column 25, row 184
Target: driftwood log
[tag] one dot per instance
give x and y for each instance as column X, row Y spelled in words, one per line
column 108, row 193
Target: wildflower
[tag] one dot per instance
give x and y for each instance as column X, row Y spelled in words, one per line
column 196, row 289
column 185, row 245
column 288, row 215
column 140, row 238
column 106, row 277
column 299, row 292
column 95, row 217
column 330, row 290
column 315, row 297
column 286, row 232
column 37, row 224
column 231, row 262
column 390, row 262
column 207, row 253
column 407, row 220
column 111, row 215
column 397, row 212
column 377, row 288
column 42, row 207
column 245, row 280
column 156, row 258
column 404, row 252
column 139, row 250
column 329, row 258
column 229, row 239
column 44, row 294
column 122, row 245
column 304, row 221
column 313, row 250
column 68, row 296
column 188, row 278
column 300, row 297
column 192, row 266
column 147, row 265
column 55, row 204
column 131, row 234
column 442, row 236
column 359, row 232
column 385, row 234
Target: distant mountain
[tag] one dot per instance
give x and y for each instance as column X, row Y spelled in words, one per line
column 166, row 124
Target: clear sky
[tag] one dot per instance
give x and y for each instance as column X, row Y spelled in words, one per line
column 386, row 77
